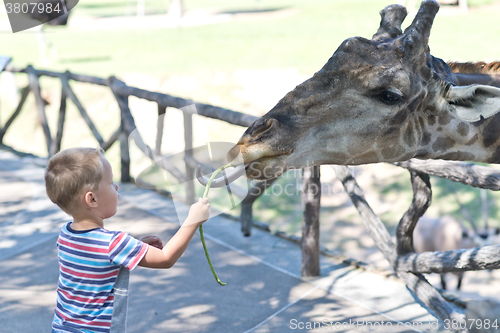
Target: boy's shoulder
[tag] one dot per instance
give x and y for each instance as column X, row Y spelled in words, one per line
column 97, row 234
column 99, row 245
column 68, row 228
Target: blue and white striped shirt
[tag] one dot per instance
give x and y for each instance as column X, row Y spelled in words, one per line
column 89, row 262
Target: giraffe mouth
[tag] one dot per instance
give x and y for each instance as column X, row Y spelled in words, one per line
column 267, row 167
column 263, row 168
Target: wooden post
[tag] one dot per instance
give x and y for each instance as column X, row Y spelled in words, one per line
column 246, row 216
column 128, row 128
column 422, row 291
column 71, row 94
column 159, row 128
column 372, row 222
column 422, row 197
column 417, row 283
column 127, row 125
column 188, row 153
column 124, row 157
column 40, row 105
column 24, row 95
column 311, row 205
column 112, row 139
column 56, row 144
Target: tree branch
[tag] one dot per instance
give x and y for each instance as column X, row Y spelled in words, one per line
column 473, row 259
column 465, row 173
column 422, row 197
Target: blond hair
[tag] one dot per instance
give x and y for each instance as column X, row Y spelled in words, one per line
column 72, row 172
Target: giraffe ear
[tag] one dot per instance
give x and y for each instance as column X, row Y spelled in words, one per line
column 475, row 102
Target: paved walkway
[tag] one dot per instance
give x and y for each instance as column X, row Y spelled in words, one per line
column 264, row 291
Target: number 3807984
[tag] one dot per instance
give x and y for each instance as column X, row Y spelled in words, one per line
column 32, row 7
column 470, row 323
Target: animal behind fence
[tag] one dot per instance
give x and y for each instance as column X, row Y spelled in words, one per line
column 449, row 233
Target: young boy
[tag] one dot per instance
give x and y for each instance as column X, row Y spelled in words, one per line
column 94, row 263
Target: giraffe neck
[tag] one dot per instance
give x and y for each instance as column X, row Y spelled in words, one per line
column 467, row 73
column 475, row 67
column 448, row 138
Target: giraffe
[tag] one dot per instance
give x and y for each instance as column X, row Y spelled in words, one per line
column 384, row 99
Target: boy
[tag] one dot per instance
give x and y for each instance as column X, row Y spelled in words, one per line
column 94, row 263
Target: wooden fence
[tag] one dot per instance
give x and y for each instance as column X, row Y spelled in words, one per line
column 122, row 92
column 407, row 264
column 411, row 266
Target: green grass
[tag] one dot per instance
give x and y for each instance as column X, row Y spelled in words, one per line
column 304, row 40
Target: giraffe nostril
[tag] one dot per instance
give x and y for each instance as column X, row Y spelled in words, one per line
column 261, row 126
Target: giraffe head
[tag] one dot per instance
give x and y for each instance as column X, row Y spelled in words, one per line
column 375, row 100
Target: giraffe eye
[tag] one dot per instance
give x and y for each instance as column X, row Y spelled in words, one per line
column 391, row 97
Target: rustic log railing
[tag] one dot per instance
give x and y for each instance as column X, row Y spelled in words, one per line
column 127, row 128
column 121, row 92
column 410, row 266
column 407, row 264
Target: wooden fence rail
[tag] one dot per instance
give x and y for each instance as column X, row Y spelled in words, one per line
column 127, row 129
column 407, row 264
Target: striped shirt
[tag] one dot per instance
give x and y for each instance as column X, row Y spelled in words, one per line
column 89, row 262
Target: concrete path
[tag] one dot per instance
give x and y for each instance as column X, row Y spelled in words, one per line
column 264, row 291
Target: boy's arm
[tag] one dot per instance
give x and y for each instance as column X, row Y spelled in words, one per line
column 172, row 251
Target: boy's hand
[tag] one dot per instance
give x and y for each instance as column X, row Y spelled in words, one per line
column 153, row 241
column 199, row 212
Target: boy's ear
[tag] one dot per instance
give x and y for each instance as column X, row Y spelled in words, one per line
column 90, row 199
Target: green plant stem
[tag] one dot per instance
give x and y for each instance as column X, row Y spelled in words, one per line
column 207, row 188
